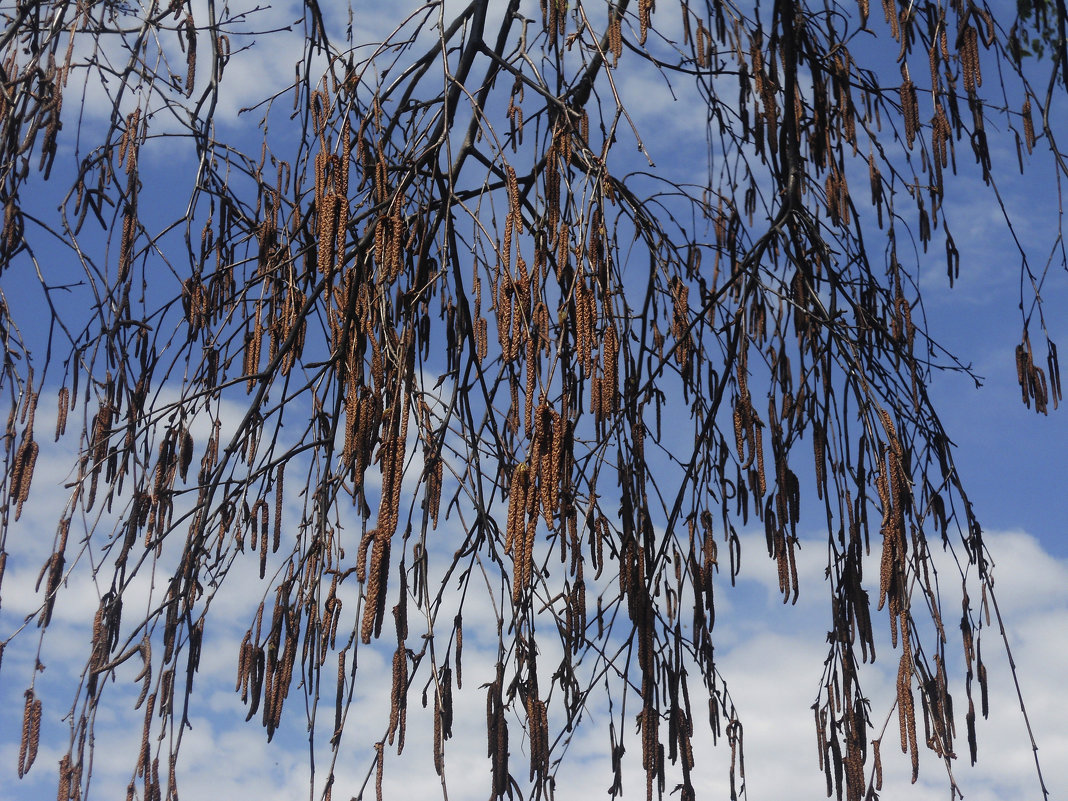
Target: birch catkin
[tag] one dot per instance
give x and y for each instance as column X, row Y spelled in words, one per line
column 615, row 35
column 63, row 403
column 910, row 109
column 31, row 733
column 969, row 60
column 22, row 474
column 645, row 10
column 1028, row 125
column 398, row 697
column 189, row 32
column 610, row 381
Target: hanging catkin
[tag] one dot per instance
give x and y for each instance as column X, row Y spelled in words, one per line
column 31, row 733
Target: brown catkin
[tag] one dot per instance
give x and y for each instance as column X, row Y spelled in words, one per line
column 513, row 198
column 531, row 383
column 264, row 525
column 376, row 588
column 373, row 589
column 548, row 476
column 380, row 243
column 433, row 488
column 1028, row 125
column 758, row 446
column 394, row 255
column 328, row 233
column 380, row 753
column 523, row 292
column 190, row 33
column 508, row 338
column 906, row 709
column 680, row 320
column 910, row 109
column 64, row 407
column 563, row 242
column 890, row 14
column 515, row 534
column 523, row 547
column 398, row 697
column 244, row 665
column 515, row 113
column 1023, row 369
column 940, row 135
column 285, row 676
column 615, row 35
column 458, row 627
column 31, row 728
column 439, row 751
column 142, row 760
column 932, row 62
column 819, row 449
column 361, row 555
column 279, row 479
column 538, row 726
column 64, row 793
column 481, row 343
column 253, row 343
column 127, row 139
column 129, row 230
column 25, row 461
column 346, row 158
column 610, row 387
column 969, row 60
column 556, row 459
column 582, row 327
column 741, row 417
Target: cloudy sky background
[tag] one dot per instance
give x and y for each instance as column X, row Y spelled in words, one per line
column 1013, row 461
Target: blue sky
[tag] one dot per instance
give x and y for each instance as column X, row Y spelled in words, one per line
column 1013, row 462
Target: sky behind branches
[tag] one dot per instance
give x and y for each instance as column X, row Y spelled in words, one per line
column 1013, row 463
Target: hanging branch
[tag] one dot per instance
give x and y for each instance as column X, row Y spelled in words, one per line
column 433, row 335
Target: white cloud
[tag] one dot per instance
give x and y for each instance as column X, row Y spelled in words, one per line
column 770, row 655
